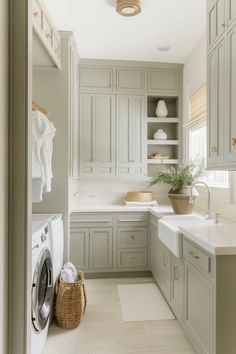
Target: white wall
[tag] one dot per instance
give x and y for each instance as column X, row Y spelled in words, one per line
column 223, row 200
column 3, row 171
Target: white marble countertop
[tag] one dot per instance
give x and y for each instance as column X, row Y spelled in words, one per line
column 158, row 210
column 218, row 239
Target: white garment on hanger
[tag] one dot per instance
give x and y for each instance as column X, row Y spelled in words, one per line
column 43, row 133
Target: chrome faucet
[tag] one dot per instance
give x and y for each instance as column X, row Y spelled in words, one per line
column 210, row 214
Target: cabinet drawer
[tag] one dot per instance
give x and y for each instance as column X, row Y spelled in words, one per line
column 135, row 258
column 128, row 219
column 132, row 238
column 197, row 257
column 90, row 219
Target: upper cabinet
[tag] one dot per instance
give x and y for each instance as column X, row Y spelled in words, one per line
column 97, row 80
column 97, row 135
column 114, row 105
column 163, row 81
column 130, row 130
column 221, row 81
column 131, row 80
column 47, row 42
column 216, row 20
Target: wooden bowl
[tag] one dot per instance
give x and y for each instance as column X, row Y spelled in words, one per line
column 139, row 197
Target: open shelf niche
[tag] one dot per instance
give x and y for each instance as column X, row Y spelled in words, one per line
column 169, row 148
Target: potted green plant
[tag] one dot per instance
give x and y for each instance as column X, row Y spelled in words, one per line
column 180, row 179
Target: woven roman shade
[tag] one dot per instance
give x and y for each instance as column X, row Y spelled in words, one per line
column 197, row 107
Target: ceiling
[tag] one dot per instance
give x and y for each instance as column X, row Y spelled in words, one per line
column 101, row 33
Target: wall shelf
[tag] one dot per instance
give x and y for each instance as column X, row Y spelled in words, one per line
column 163, row 162
column 162, row 120
column 163, row 142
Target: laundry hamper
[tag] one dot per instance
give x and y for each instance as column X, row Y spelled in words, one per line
column 70, row 303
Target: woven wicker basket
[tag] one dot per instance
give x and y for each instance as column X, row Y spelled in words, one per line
column 70, row 303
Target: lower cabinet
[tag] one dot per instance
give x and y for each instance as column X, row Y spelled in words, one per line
column 199, row 308
column 92, row 248
column 177, row 286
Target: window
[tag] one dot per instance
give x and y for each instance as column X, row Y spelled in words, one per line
column 197, row 138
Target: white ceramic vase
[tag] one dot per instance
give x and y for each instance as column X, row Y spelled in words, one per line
column 160, row 135
column 161, row 110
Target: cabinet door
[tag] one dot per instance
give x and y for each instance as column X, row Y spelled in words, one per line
column 97, row 135
column 73, row 111
column 97, row 80
column 163, row 81
column 230, row 99
column 199, row 308
column 177, row 286
column 130, row 136
column 165, row 271
column 216, row 105
column 216, row 20
column 130, row 80
column 79, row 248
column 101, row 246
column 231, row 10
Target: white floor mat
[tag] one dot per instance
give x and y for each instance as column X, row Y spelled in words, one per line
column 143, row 302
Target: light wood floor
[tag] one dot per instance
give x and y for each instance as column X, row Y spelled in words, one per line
column 103, row 331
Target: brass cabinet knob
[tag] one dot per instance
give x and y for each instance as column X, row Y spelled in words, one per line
column 36, row 14
column 222, row 24
column 234, row 141
column 213, row 149
column 132, row 259
column 132, row 237
column 49, row 35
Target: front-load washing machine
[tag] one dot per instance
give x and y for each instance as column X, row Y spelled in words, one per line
column 42, row 285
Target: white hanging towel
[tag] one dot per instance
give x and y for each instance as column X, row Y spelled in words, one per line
column 43, row 133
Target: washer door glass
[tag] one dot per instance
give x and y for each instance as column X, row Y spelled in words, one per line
column 42, row 291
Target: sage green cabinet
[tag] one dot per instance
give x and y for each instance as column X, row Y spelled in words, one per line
column 97, row 80
column 231, row 11
column 101, row 247
column 79, row 247
column 97, row 135
column 216, row 105
column 165, row 262
column 131, row 80
column 199, row 308
column 216, row 20
column 230, row 122
column 177, row 286
column 163, row 81
column 130, row 136
column 91, row 249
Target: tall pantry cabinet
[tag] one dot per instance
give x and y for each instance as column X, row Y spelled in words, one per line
column 221, row 84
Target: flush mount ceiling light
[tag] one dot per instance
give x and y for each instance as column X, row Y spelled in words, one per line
column 128, row 7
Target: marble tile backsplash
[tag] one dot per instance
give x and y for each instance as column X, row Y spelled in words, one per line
column 113, row 192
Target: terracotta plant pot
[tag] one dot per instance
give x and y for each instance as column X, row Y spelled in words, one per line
column 181, row 201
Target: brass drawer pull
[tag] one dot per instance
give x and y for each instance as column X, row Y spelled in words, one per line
column 194, row 255
column 213, row 149
column 176, row 273
column 36, row 14
column 132, row 259
column 222, row 24
column 234, row 141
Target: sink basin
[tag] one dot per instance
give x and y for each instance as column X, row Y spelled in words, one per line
column 169, row 233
